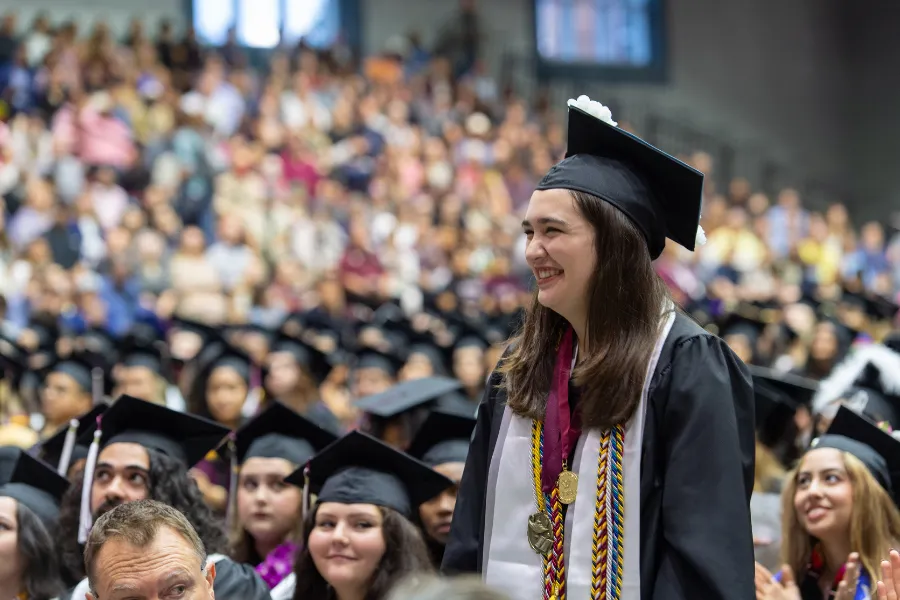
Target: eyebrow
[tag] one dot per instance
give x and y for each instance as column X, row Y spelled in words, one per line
column 124, row 468
column 545, row 221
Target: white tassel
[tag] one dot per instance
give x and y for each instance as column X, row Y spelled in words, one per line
column 700, row 240
column 62, row 467
column 97, row 385
column 304, row 507
column 86, row 519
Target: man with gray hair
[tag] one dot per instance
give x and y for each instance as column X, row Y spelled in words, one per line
column 146, row 549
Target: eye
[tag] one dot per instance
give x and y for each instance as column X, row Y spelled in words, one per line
column 250, row 485
column 833, row 478
column 102, row 476
column 325, row 525
column 529, row 233
column 802, row 480
column 364, row 525
column 553, row 230
column 137, row 479
column 278, row 486
column 178, row 591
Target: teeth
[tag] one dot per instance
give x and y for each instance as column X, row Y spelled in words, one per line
column 545, row 273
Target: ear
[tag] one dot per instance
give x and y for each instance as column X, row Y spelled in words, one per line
column 210, row 579
column 89, row 596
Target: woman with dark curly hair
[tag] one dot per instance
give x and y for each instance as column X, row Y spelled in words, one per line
column 29, row 508
column 143, row 450
column 359, row 540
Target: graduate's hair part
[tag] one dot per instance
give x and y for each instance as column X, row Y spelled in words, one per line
column 874, row 521
column 170, row 484
column 241, row 545
column 138, row 523
column 405, row 555
column 37, row 550
column 625, row 300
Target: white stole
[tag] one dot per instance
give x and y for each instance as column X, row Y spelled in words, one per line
column 509, row 562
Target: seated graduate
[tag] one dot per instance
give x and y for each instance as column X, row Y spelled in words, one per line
column 29, row 509
column 62, row 449
column 66, row 392
column 143, row 450
column 839, row 517
column 294, row 371
column 359, row 539
column 395, row 415
column 219, row 391
column 443, row 444
column 265, row 516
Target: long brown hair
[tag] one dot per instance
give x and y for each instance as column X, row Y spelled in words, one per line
column 874, row 521
column 625, row 300
column 405, row 555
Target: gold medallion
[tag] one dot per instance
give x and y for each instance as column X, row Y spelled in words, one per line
column 540, row 534
column 568, row 486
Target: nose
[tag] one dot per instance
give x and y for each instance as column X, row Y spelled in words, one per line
column 114, row 490
column 448, row 503
column 534, row 250
column 340, row 534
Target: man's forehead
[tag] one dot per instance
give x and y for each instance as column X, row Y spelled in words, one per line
column 125, row 454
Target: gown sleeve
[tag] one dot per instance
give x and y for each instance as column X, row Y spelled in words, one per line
column 706, row 550
column 237, row 581
column 464, row 546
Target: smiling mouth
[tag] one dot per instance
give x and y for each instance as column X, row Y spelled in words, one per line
column 544, row 274
column 816, row 513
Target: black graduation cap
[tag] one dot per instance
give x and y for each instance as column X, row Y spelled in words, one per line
column 51, row 449
column 9, row 456
column 359, row 469
column 137, row 351
column 279, row 432
column 79, row 366
column 221, row 354
column 470, row 335
column 739, row 324
column 369, row 358
column 881, row 308
column 444, row 437
column 99, row 342
column 313, row 360
column 203, row 330
column 774, row 412
column 658, row 192
column 854, row 299
column 47, row 333
column 37, row 486
column 244, row 329
column 799, row 389
column 407, row 396
column 875, row 448
column 13, row 359
column 186, row 438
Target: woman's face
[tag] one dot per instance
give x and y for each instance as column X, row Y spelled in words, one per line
column 11, row 566
column 825, row 344
column 268, row 508
column 823, row 501
column 226, row 391
column 417, row 367
column 437, row 513
column 560, row 252
column 347, row 543
column 284, row 373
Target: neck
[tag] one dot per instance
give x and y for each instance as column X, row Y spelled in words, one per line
column 579, row 326
column 835, row 555
column 350, row 593
column 299, row 399
column 264, row 547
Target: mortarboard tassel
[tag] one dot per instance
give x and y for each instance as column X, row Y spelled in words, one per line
column 97, row 385
column 62, row 467
column 85, row 520
column 232, row 479
column 304, row 506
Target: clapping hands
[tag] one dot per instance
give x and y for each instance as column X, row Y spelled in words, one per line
column 889, row 584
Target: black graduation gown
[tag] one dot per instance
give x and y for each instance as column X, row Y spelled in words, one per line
column 696, row 474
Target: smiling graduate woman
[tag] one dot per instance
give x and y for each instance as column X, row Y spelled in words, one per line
column 613, row 455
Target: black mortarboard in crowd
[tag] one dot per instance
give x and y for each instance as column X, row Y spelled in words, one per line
column 359, row 469
column 774, row 411
column 79, row 367
column 659, row 193
column 51, row 449
column 311, row 359
column 443, row 438
column 279, row 432
column 38, row 487
column 407, row 396
column 370, row 358
column 876, row 449
column 140, row 353
column 183, row 437
column 738, row 324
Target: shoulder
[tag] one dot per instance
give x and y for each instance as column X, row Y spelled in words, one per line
column 238, row 580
